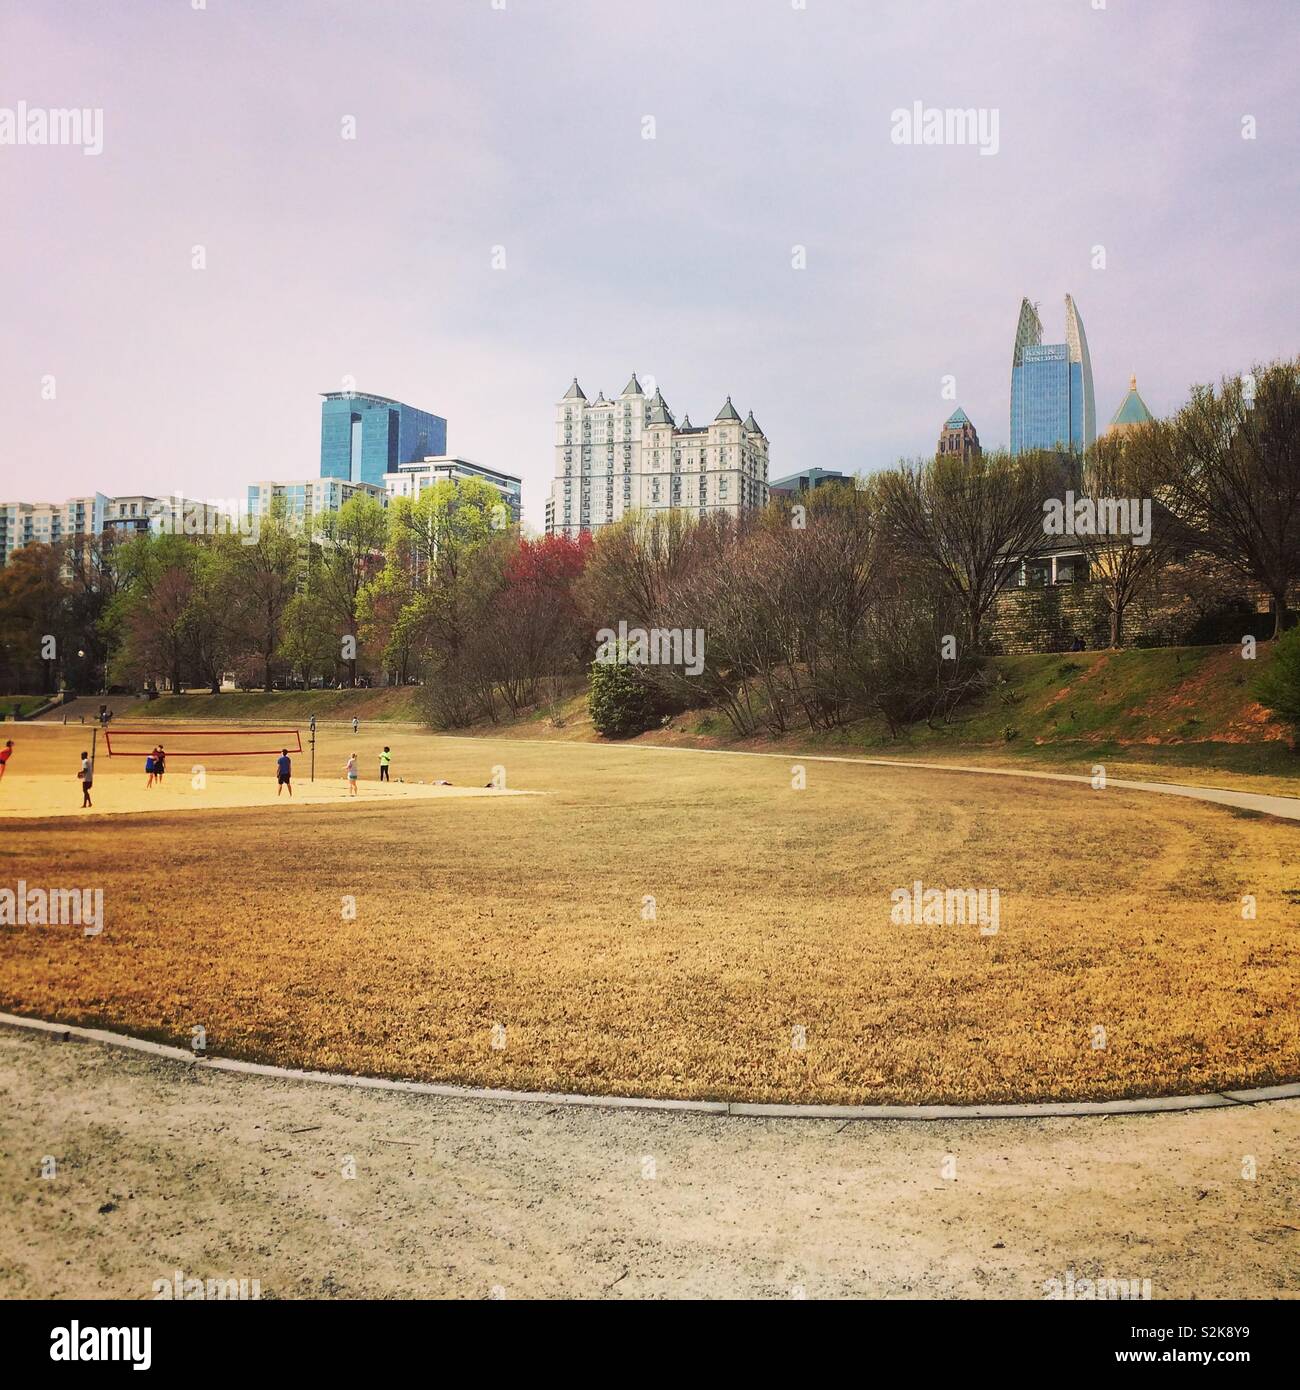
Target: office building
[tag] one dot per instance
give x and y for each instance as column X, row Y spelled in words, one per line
column 362, row 437
column 1052, row 405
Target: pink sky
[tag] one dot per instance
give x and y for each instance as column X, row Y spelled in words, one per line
column 522, row 128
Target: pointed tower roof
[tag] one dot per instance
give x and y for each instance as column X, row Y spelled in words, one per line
column 956, row 420
column 575, row 392
column 686, row 420
column 633, row 388
column 1132, row 409
column 1029, row 331
column 659, row 412
column 751, row 425
column 728, row 412
column 1077, row 341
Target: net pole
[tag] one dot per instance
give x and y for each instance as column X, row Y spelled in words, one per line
column 313, row 755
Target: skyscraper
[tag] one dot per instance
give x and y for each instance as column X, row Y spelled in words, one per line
column 363, row 437
column 1052, row 404
column 958, row 436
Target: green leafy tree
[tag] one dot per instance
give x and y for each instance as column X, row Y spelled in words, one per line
column 33, row 610
column 258, row 578
column 153, row 613
column 433, row 540
column 351, row 555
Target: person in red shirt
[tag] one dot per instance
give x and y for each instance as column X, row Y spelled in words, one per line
column 5, row 754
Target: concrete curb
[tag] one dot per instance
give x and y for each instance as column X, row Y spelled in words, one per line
column 1212, row 1100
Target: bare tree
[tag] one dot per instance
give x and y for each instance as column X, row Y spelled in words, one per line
column 1133, row 469
column 1236, row 483
column 965, row 520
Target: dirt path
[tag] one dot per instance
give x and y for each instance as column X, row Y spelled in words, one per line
column 161, row 1167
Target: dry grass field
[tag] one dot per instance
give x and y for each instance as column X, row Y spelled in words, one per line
column 1118, row 911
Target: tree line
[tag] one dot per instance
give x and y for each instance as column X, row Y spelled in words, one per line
column 852, row 600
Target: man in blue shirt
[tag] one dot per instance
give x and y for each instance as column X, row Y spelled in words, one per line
column 283, row 770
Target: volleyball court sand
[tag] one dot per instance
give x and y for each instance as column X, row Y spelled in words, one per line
column 41, row 782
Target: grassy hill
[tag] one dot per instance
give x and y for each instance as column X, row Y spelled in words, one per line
column 1173, row 713
column 395, row 704
column 1167, row 708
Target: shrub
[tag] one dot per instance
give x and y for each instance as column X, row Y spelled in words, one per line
column 1278, row 686
column 1229, row 622
column 620, row 702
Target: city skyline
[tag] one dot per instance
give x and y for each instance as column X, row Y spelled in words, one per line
column 536, row 241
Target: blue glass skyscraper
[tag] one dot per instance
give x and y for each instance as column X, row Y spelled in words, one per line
column 1052, row 404
column 363, row 437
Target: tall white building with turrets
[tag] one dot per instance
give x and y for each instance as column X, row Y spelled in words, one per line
column 630, row 454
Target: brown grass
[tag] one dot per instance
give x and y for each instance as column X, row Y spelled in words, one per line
column 772, row 912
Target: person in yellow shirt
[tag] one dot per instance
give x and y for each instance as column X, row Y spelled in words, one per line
column 385, row 758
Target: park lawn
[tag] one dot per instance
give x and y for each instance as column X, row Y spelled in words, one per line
column 671, row 923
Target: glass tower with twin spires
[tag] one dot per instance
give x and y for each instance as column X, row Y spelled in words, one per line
column 1052, row 403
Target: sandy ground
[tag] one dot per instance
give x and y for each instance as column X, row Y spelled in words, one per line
column 161, row 1166
column 33, row 789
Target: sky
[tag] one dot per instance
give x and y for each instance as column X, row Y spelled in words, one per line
column 490, row 131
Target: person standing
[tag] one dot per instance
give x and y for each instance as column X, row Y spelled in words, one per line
column 354, row 723
column 283, row 774
column 351, row 771
column 5, row 754
column 151, row 767
column 87, row 776
column 159, row 764
column 385, row 758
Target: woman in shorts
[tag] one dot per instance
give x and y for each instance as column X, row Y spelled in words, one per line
column 151, row 767
column 351, row 770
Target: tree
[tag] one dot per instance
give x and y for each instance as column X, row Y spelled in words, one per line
column 351, row 548
column 964, row 520
column 434, row 540
column 34, row 627
column 309, row 646
column 1235, row 476
column 258, row 581
column 152, row 615
column 533, row 623
column 1133, row 467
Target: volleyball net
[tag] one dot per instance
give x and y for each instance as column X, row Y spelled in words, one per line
column 135, row 741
